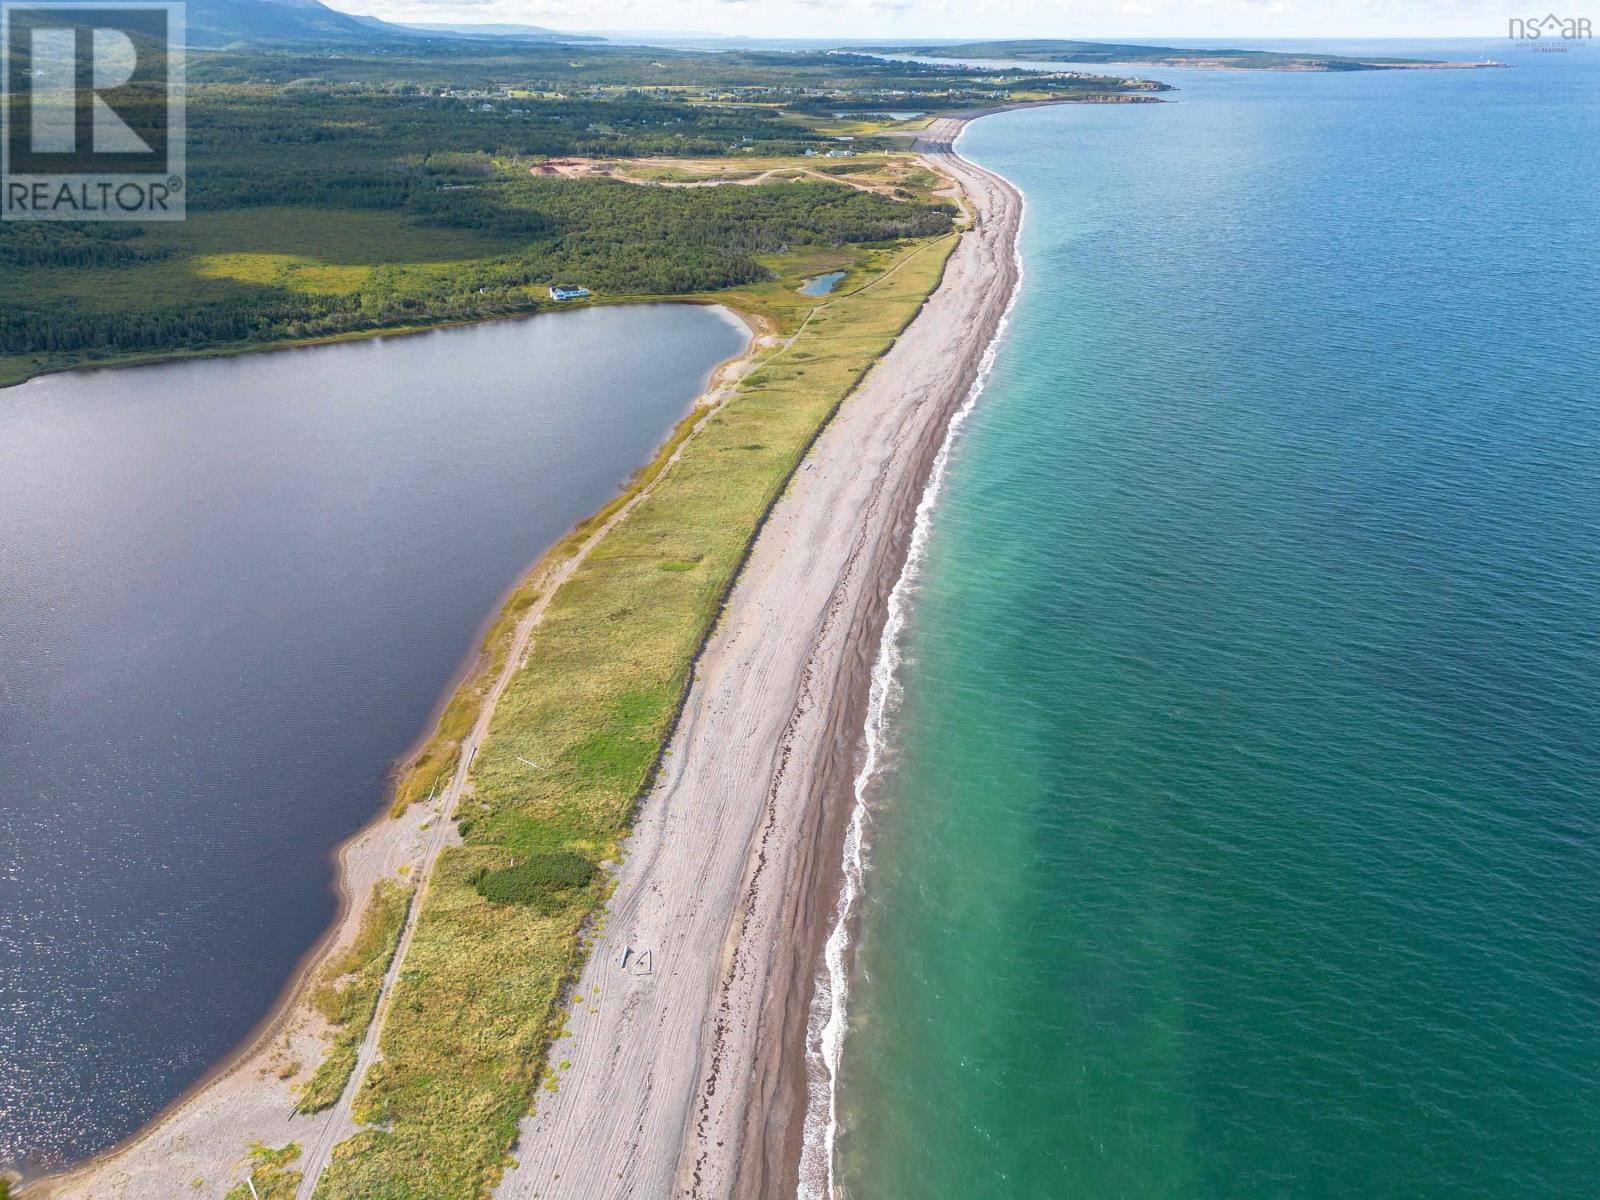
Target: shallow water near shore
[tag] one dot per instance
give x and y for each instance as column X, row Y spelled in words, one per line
column 232, row 593
column 1240, row 829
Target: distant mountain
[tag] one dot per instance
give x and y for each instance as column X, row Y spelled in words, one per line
column 536, row 32
column 214, row 23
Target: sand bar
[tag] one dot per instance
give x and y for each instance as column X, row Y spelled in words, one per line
column 687, row 1073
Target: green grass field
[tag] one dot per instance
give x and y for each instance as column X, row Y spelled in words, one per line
column 477, row 1004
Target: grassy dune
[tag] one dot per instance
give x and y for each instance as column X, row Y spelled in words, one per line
column 348, row 988
column 272, row 1173
column 476, row 1006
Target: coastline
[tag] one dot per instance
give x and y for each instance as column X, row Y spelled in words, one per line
column 160, row 358
column 250, row 1095
column 225, row 1107
column 779, row 1147
column 829, row 1003
column 689, row 1077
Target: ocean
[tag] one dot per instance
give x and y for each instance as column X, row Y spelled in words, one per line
column 1236, row 831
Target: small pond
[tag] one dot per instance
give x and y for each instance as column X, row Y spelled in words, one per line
column 821, row 285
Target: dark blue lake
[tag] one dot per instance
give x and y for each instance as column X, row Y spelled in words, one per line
column 231, row 594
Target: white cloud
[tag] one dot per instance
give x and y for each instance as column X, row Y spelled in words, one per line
column 1147, row 19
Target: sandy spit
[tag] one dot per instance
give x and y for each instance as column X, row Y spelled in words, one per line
column 687, row 1073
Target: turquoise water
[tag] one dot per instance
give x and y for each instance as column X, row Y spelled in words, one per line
column 1240, row 835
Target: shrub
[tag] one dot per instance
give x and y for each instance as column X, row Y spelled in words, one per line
column 536, row 879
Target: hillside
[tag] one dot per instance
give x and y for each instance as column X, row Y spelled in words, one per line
column 216, row 23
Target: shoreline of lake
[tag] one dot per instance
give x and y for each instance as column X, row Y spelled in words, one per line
column 246, row 1087
column 159, row 358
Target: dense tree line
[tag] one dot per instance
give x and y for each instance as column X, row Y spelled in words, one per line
column 598, row 218
column 74, row 244
column 614, row 237
column 251, row 146
column 264, row 315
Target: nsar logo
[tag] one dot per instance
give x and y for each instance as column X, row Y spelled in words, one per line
column 1550, row 32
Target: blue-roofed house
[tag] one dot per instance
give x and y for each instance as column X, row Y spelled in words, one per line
column 568, row 293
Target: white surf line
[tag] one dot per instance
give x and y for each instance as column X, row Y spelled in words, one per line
column 829, row 1002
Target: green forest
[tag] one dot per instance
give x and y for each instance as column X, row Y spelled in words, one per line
column 616, row 238
column 332, row 191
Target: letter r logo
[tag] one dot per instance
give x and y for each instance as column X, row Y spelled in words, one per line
column 91, row 105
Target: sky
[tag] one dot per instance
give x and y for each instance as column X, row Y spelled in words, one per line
column 1101, row 19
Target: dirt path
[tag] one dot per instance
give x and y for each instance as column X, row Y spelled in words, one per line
column 339, row 1122
column 589, row 168
column 765, row 177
